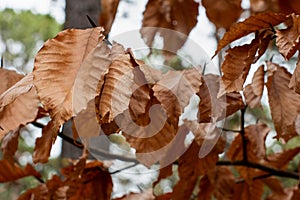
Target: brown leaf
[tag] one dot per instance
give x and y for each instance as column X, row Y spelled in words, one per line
column 56, row 66
column 287, row 39
column 295, row 79
column 8, row 79
column 206, row 189
column 190, row 167
column 253, row 92
column 289, row 6
column 90, row 73
column 11, row 171
column 284, row 102
column 258, row 6
column 248, row 191
column 175, row 89
column 9, row 145
column 289, row 194
column 146, row 195
column 18, row 105
column 44, row 143
column 251, row 24
column 161, row 16
column 281, row 160
column 274, row 184
column 256, row 150
column 212, row 106
column 238, row 61
column 108, row 13
column 216, row 10
column 117, row 88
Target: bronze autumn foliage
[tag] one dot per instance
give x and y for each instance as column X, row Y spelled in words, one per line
column 78, row 76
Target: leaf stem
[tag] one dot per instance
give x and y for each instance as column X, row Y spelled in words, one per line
column 242, row 132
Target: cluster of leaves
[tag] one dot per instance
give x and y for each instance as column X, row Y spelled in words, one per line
column 77, row 71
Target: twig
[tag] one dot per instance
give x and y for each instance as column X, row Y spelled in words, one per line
column 254, row 178
column 229, row 130
column 119, row 170
column 244, row 139
column 271, row 170
column 2, row 62
column 91, row 21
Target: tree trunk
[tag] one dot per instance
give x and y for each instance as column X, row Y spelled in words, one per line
column 76, row 12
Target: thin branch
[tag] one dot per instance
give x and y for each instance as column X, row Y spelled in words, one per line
column 254, row 178
column 2, row 62
column 271, row 170
column 39, row 179
column 91, row 21
column 128, row 167
column 244, row 139
column 229, row 130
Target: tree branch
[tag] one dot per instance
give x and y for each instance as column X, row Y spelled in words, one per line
column 271, row 170
column 242, row 132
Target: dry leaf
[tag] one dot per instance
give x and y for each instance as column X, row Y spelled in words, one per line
column 146, row 195
column 284, row 102
column 11, row 171
column 238, row 61
column 56, row 66
column 9, row 145
column 216, row 10
column 288, row 39
column 295, row 79
column 108, row 13
column 117, row 88
column 44, row 143
column 8, row 79
column 248, row 191
column 160, row 17
column 253, row 92
column 251, row 24
column 211, row 106
column 18, row 105
column 90, row 73
column 175, row 90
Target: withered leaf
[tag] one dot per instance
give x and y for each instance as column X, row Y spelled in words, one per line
column 213, row 106
column 216, row 10
column 108, row 12
column 295, row 79
column 284, row 102
column 8, row 79
column 238, row 61
column 44, row 143
column 146, row 195
column 89, row 76
column 251, row 24
column 253, row 92
column 56, row 66
column 161, row 16
column 190, row 167
column 9, row 145
column 288, row 39
column 11, row 171
column 175, row 89
column 249, row 191
column 18, row 105
column 117, row 87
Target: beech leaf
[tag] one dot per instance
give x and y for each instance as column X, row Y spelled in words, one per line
column 9, row 145
column 216, row 10
column 284, row 102
column 161, row 16
column 118, row 85
column 56, row 66
column 253, row 92
column 11, row 171
column 108, row 13
column 249, row 25
column 44, row 143
column 18, row 105
column 8, row 79
column 288, row 39
column 295, row 79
